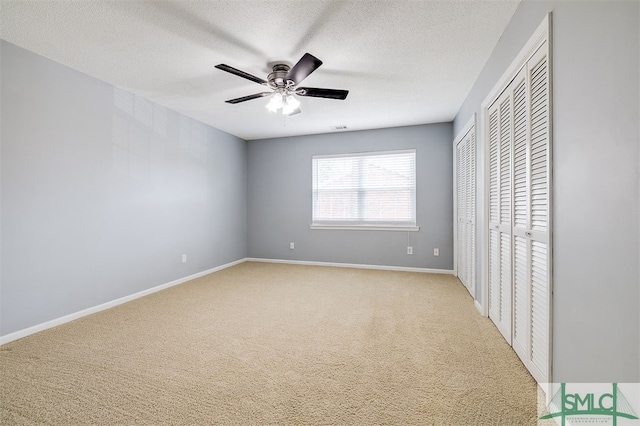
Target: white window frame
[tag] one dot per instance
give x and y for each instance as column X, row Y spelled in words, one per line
column 328, row 225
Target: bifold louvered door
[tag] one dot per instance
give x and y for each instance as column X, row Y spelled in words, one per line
column 466, row 209
column 519, row 172
column 461, row 188
column 500, row 284
column 532, row 230
column 521, row 209
column 470, row 237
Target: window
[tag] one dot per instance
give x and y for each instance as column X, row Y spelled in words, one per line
column 365, row 190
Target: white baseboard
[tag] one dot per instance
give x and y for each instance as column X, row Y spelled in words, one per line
column 479, row 307
column 58, row 321
column 352, row 265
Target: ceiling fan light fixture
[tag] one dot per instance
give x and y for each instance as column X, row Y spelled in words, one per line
column 284, row 102
column 290, row 105
column 275, row 103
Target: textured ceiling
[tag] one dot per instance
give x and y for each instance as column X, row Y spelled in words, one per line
column 404, row 62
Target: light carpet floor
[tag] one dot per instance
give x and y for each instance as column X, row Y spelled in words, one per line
column 263, row 343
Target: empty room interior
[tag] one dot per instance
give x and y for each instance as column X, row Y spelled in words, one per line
column 318, row 212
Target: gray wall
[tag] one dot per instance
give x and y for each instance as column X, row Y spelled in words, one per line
column 102, row 192
column 279, row 199
column 596, row 325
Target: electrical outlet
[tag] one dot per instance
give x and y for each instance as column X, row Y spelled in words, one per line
column 184, row 258
column 436, row 252
column 409, row 250
column 292, row 246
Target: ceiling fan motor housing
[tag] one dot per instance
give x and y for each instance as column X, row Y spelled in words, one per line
column 276, row 79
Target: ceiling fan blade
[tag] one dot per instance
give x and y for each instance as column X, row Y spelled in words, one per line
column 295, row 112
column 322, row 93
column 248, row 98
column 239, row 73
column 305, row 66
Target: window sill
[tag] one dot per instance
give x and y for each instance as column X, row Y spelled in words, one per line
column 366, row 228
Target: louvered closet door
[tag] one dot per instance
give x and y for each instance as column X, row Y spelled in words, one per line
column 500, row 206
column 538, row 232
column 531, row 168
column 461, row 205
column 519, row 205
column 463, row 225
column 471, row 212
column 494, row 215
column 521, row 222
column 465, row 181
column 459, row 197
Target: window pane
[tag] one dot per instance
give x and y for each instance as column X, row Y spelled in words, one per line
column 337, row 205
column 365, row 189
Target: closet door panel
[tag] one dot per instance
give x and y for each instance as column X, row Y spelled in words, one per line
column 465, row 219
column 471, row 212
column 521, row 218
column 539, row 233
column 460, row 214
column 494, row 215
column 463, row 204
column 539, row 306
column 539, row 144
column 521, row 309
column 505, row 103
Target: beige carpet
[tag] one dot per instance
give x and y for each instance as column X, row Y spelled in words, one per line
column 263, row 344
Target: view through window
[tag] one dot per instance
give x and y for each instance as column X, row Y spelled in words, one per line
column 365, row 189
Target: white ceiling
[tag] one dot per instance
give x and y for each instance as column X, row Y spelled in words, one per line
column 404, row 62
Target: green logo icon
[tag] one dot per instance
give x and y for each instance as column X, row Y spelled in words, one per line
column 613, row 405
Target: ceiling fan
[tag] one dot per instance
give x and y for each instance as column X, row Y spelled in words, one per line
column 284, row 81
